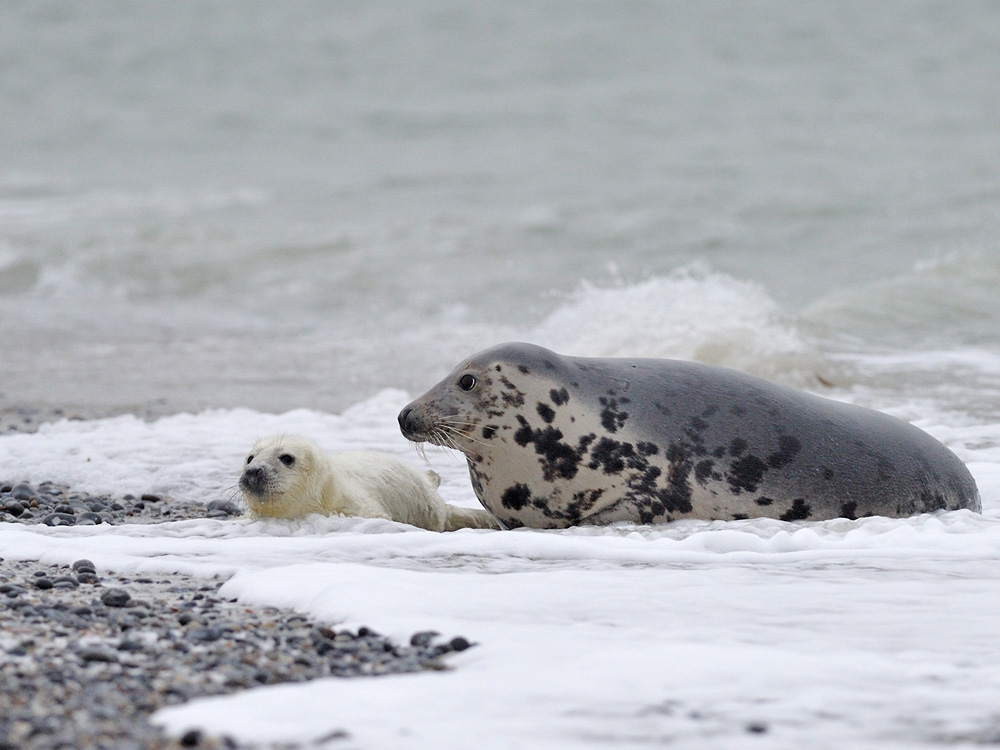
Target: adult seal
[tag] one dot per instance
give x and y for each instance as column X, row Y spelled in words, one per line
column 555, row 441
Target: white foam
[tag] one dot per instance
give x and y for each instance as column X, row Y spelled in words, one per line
column 694, row 313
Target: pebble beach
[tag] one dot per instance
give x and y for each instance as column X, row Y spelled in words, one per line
column 87, row 655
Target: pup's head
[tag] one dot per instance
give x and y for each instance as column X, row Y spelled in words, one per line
column 281, row 478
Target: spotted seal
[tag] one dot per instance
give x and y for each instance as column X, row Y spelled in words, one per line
column 287, row 476
column 555, row 441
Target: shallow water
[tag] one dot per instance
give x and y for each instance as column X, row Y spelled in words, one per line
column 229, row 204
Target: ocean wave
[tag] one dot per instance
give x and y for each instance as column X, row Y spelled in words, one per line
column 694, row 313
column 947, row 300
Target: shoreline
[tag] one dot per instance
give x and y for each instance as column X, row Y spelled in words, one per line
column 88, row 656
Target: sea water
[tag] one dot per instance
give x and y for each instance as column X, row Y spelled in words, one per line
column 237, row 218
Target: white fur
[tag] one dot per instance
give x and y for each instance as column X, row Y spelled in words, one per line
column 362, row 483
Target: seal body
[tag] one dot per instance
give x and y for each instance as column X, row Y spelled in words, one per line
column 555, row 441
column 286, row 476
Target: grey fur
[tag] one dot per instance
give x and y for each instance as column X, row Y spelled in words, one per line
column 556, row 441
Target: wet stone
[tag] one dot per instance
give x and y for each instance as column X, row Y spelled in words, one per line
column 59, row 519
column 115, row 598
column 98, row 655
column 423, row 638
column 14, row 507
column 22, row 492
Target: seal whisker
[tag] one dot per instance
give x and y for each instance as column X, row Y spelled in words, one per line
column 450, row 431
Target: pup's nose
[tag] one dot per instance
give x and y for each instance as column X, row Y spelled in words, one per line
column 252, row 479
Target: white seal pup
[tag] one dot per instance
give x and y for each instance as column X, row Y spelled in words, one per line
column 287, row 476
column 556, row 441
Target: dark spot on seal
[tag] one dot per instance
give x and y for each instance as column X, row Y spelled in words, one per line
column 524, row 369
column 710, row 410
column 695, row 427
column 827, row 473
column 612, row 417
column 647, row 449
column 932, row 501
column 737, row 447
column 582, row 502
column 610, row 455
column 546, row 412
column 525, row 435
column 746, row 474
column 560, row 459
column 798, row 512
column 703, row 471
column 557, row 458
column 516, row 497
column 498, row 368
column 513, row 400
column 764, row 500
column 740, row 516
column 788, row 449
column 559, row 397
column 489, row 431
column 849, row 510
column 664, row 410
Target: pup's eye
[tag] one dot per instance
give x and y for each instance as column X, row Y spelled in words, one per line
column 287, row 459
column 249, row 458
column 467, row 382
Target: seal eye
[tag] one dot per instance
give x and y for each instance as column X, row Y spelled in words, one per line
column 467, row 382
column 287, row 459
column 249, row 458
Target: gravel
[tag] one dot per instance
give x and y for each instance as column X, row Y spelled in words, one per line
column 58, row 505
column 86, row 657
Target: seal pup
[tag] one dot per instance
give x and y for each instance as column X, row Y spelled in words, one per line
column 286, row 476
column 554, row 441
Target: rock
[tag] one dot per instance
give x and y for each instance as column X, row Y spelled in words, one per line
column 22, row 492
column 423, row 638
column 115, row 598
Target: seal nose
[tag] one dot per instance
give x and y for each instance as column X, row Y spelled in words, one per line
column 406, row 421
column 252, row 479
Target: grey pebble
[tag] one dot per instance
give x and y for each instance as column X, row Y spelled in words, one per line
column 423, row 638
column 98, row 654
column 115, row 598
column 22, row 492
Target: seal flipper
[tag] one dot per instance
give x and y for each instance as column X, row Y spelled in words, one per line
column 468, row 518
